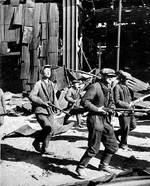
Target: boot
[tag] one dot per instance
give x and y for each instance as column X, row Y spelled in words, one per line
column 45, row 145
column 104, row 164
column 81, row 172
column 36, row 145
column 47, row 134
column 117, row 134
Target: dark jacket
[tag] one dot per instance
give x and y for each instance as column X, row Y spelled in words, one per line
column 96, row 96
column 41, row 94
column 122, row 96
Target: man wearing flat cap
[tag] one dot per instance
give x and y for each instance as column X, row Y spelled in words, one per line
column 99, row 125
column 73, row 97
column 41, row 95
column 123, row 97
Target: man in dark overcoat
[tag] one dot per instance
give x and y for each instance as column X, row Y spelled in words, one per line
column 99, row 126
column 41, row 95
column 123, row 97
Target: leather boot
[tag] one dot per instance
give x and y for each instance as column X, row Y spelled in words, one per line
column 104, row 164
column 45, row 145
column 47, row 134
column 117, row 134
column 83, row 164
column 36, row 145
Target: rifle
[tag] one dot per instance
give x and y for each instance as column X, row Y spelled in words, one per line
column 50, row 104
column 132, row 110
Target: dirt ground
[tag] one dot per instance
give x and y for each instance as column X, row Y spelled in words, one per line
column 21, row 165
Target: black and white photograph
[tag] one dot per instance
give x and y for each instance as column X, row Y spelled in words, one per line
column 74, row 92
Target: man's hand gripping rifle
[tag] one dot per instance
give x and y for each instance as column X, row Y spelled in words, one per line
column 49, row 104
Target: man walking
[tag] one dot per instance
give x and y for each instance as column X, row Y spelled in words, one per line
column 41, row 95
column 123, row 97
column 99, row 127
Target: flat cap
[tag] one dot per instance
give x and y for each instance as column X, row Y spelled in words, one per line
column 108, row 72
column 45, row 66
column 124, row 74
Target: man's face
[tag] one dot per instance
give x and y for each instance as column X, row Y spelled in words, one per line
column 47, row 72
column 109, row 79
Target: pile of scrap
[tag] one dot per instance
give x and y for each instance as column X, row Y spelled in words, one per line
column 17, row 105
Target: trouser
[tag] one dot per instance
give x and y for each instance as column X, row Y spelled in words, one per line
column 73, row 112
column 127, row 124
column 106, row 136
column 46, row 133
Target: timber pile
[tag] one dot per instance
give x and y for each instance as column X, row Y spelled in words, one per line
column 137, row 85
column 30, row 31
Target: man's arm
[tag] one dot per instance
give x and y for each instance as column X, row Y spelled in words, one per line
column 87, row 100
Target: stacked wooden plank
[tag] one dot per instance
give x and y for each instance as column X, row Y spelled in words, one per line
column 137, row 85
column 35, row 28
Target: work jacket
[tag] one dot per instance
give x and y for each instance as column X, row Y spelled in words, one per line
column 97, row 95
column 122, row 96
column 41, row 94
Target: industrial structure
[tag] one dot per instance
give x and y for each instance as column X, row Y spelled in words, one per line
column 77, row 34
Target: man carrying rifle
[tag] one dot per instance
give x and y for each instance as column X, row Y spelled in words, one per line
column 41, row 95
column 73, row 97
column 99, row 125
column 123, row 97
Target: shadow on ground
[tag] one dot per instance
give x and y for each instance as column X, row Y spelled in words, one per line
column 51, row 164
column 140, row 134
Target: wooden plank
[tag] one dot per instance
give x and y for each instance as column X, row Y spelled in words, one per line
column 53, row 44
column 73, row 35
column 8, row 14
column 34, row 75
column 25, row 63
column 1, row 23
column 44, row 31
column 43, row 13
column 36, row 19
column 18, row 15
column 28, row 16
column 53, row 34
column 10, row 35
column 76, row 39
column 137, row 85
column 64, row 32
column 53, row 57
column 43, row 49
column 43, row 21
column 69, row 42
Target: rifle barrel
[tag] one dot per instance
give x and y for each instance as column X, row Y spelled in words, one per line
column 127, row 110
